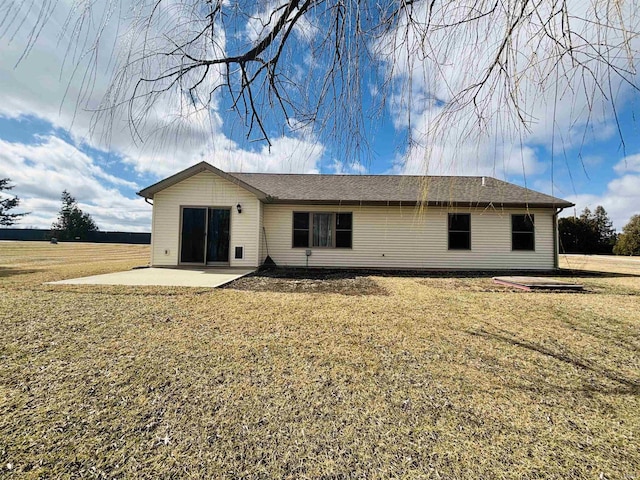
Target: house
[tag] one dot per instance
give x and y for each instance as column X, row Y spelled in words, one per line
column 204, row 216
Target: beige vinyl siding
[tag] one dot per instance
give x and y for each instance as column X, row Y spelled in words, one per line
column 405, row 237
column 205, row 190
column 262, row 247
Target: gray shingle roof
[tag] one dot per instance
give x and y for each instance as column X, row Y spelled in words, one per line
column 373, row 189
column 434, row 190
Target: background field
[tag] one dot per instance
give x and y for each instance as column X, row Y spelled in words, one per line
column 447, row 377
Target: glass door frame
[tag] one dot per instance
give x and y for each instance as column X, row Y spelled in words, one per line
column 206, row 235
column 206, row 259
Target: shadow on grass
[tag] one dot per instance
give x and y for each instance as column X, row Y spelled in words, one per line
column 566, row 272
column 630, row 386
column 10, row 272
column 335, row 274
column 628, row 339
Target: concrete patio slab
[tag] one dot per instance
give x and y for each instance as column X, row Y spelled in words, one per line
column 168, row 277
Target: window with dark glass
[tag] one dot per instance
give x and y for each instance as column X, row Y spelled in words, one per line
column 343, row 230
column 301, row 229
column 459, row 231
column 522, row 232
column 322, row 229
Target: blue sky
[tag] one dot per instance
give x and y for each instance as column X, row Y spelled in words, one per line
column 49, row 142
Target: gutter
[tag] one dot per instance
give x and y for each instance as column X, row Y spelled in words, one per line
column 407, row 202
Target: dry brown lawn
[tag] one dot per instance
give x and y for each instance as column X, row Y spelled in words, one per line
column 436, row 378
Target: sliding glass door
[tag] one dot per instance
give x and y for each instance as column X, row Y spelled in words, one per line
column 194, row 229
column 218, row 235
column 205, row 235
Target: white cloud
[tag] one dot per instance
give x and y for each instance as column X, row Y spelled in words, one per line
column 630, row 163
column 286, row 155
column 348, row 168
column 482, row 156
column 621, row 200
column 297, row 152
column 41, row 171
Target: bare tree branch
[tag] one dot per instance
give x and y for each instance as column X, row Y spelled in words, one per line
column 317, row 62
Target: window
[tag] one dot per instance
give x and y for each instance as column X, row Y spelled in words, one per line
column 300, row 229
column 343, row 230
column 522, row 234
column 322, row 229
column 459, row 231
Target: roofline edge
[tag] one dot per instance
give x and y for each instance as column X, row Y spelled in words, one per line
column 189, row 172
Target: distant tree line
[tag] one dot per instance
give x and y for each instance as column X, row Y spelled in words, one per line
column 100, row 236
column 593, row 233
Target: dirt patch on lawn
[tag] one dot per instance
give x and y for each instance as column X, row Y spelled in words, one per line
column 343, row 282
column 364, row 282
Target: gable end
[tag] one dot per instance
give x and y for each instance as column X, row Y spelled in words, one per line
column 150, row 191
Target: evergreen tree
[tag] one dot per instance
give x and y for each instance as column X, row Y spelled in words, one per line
column 629, row 240
column 573, row 234
column 591, row 232
column 7, row 219
column 72, row 223
column 604, row 227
